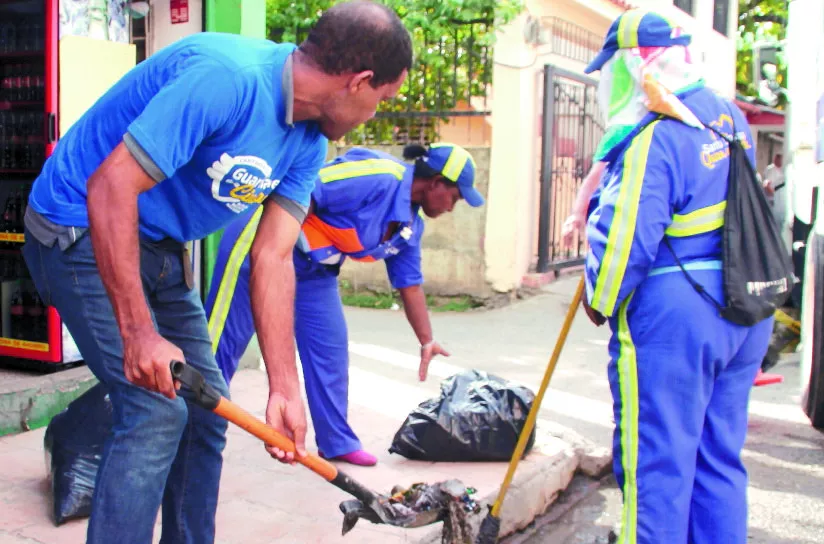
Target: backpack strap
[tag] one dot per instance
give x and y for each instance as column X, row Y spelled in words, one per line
column 695, row 285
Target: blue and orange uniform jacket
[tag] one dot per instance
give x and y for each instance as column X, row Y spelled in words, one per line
column 363, row 210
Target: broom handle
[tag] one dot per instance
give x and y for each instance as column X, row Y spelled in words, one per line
column 536, row 404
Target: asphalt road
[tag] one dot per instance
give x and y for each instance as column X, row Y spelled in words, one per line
column 784, row 454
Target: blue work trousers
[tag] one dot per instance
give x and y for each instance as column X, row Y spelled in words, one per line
column 680, row 377
column 161, row 451
column 320, row 333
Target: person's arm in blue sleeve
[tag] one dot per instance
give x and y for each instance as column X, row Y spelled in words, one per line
column 188, row 109
column 272, row 290
column 404, row 270
column 626, row 229
column 164, row 136
column 294, row 192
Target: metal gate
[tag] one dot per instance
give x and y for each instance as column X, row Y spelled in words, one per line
column 572, row 128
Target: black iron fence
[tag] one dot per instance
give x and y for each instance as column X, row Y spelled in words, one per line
column 572, row 128
column 445, row 94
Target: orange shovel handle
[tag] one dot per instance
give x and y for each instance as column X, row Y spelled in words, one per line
column 240, row 417
column 207, row 397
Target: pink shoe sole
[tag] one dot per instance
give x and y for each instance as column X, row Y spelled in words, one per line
column 360, row 458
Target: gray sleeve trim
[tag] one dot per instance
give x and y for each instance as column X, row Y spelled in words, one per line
column 143, row 158
column 295, row 209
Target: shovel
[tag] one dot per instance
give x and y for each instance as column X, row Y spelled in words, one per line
column 418, row 506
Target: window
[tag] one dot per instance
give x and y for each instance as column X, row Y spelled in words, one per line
column 720, row 16
column 684, row 5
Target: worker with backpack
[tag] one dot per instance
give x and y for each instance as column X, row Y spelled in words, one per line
column 684, row 263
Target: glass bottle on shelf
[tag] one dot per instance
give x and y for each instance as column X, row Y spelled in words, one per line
column 9, row 220
column 17, row 314
column 36, row 314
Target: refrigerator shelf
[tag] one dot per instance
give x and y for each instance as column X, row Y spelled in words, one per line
column 6, row 105
column 17, row 171
column 22, row 55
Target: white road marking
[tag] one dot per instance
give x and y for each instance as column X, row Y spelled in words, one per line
column 567, row 404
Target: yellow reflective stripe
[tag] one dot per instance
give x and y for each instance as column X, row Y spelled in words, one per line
column 628, row 29
column 628, row 386
column 455, row 164
column 458, row 158
column 223, row 299
column 367, row 167
column 698, row 222
column 622, row 228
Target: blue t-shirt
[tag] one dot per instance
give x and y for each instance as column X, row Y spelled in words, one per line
column 209, row 117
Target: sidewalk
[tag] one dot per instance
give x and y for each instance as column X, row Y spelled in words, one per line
column 263, row 501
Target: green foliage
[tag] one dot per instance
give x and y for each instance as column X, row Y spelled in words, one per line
column 452, row 40
column 759, row 21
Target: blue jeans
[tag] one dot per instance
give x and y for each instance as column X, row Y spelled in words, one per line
column 160, row 451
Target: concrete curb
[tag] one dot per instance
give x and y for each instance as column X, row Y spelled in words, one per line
column 537, row 485
column 539, row 479
column 29, row 402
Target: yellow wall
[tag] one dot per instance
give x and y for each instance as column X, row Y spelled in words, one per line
column 512, row 224
column 88, row 68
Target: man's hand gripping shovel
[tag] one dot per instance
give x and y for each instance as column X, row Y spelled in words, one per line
column 418, row 506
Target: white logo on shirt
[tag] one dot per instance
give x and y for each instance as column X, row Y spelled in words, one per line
column 241, row 181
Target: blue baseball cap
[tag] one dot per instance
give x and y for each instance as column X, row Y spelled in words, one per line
column 457, row 165
column 638, row 28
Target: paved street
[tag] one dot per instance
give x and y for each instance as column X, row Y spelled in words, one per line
column 784, row 454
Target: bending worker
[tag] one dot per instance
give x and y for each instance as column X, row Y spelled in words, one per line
column 365, row 205
column 680, row 374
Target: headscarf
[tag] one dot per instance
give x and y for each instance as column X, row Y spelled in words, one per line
column 639, row 80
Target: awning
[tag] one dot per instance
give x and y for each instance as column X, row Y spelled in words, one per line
column 758, row 114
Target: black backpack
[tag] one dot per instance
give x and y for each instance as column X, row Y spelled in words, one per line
column 756, row 266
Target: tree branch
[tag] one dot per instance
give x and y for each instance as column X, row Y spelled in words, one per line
column 481, row 20
column 770, row 18
column 745, row 7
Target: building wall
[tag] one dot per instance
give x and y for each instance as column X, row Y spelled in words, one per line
column 162, row 32
column 512, row 225
column 453, row 244
column 713, row 50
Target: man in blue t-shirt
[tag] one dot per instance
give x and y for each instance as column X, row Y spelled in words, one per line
column 203, row 132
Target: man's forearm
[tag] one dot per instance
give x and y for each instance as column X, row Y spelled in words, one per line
column 114, row 234
column 272, row 289
column 414, row 304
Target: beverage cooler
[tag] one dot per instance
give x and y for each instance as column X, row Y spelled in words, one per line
column 29, row 330
column 32, row 82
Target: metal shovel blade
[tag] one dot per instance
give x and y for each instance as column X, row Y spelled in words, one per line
column 417, row 506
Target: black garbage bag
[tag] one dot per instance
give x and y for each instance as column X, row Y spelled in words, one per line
column 478, row 417
column 74, row 447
